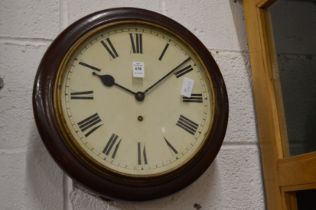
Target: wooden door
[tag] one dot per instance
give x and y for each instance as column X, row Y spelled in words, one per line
column 289, row 174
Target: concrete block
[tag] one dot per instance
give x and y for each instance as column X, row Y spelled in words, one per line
column 80, row 8
column 19, row 64
column 219, row 24
column 30, row 179
column 236, row 72
column 232, row 182
column 29, row 19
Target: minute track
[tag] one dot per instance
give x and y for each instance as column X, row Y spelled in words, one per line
column 144, row 158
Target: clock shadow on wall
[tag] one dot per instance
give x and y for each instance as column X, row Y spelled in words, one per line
column 42, row 175
column 193, row 196
column 130, row 104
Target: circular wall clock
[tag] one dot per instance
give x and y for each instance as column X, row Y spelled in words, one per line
column 130, row 104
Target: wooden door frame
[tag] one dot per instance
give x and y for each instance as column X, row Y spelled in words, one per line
column 282, row 175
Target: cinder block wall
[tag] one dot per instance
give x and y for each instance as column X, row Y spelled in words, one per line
column 30, row 179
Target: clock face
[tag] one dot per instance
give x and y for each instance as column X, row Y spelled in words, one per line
column 130, row 104
column 134, row 99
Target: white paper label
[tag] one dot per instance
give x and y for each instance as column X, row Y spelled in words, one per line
column 138, row 69
column 187, row 87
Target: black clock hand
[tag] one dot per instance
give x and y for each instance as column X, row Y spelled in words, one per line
column 109, row 81
column 156, row 83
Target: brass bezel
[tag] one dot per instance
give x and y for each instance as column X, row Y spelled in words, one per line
column 71, row 140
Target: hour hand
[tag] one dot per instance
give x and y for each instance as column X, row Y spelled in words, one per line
column 109, row 81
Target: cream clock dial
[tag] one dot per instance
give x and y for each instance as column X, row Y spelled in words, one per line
column 130, row 104
column 130, row 124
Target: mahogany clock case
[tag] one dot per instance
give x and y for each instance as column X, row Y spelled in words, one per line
column 106, row 183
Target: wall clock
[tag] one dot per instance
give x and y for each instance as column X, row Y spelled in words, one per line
column 130, row 104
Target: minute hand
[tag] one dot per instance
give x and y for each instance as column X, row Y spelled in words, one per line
column 156, row 83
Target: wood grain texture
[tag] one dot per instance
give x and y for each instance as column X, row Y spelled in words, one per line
column 283, row 175
column 265, row 103
column 298, row 172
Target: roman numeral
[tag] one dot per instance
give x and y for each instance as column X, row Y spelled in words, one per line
column 170, row 146
column 112, row 144
column 89, row 66
column 195, row 98
column 137, row 42
column 109, row 47
column 163, row 51
column 142, row 156
column 187, row 124
column 82, row 95
column 90, row 124
column 183, row 71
